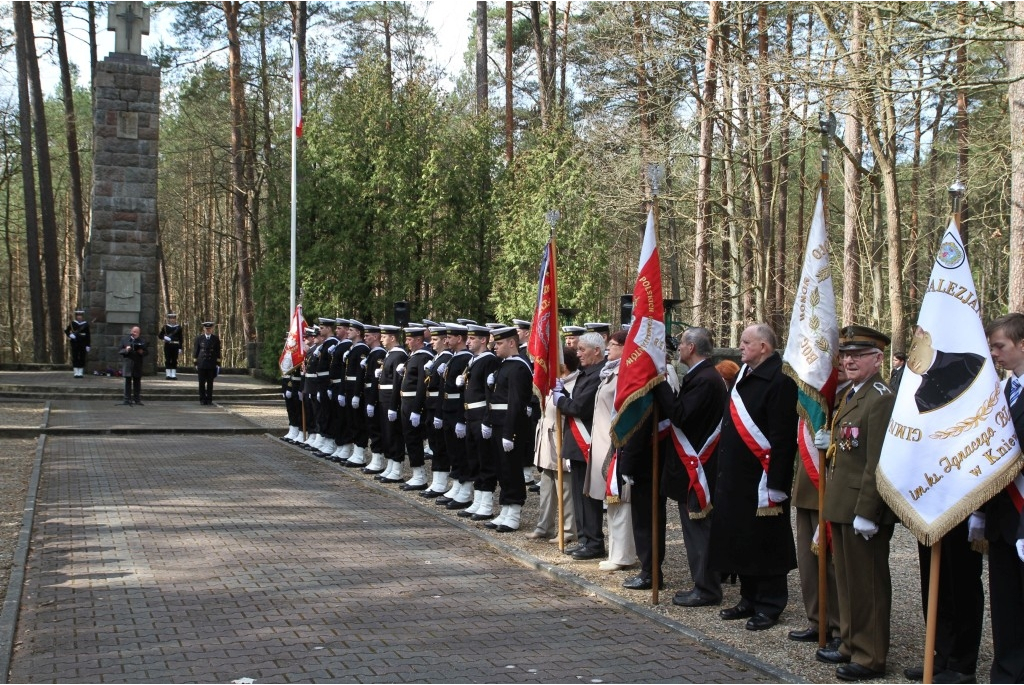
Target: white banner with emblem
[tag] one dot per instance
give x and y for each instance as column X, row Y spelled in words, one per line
column 950, row 445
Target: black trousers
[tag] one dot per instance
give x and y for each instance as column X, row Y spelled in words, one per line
column 413, row 438
column 456, row 449
column 78, row 356
column 589, row 512
column 480, row 457
column 171, row 356
column 132, row 387
column 961, row 609
column 375, row 430
column 1006, row 597
column 643, row 530
column 394, row 441
column 510, row 471
column 439, row 463
column 767, row 594
column 206, row 377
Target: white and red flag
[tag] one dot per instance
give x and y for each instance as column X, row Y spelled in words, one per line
column 643, row 356
column 950, row 445
column 296, row 91
column 813, row 341
column 293, row 353
column 545, row 345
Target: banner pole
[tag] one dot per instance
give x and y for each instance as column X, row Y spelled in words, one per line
column 933, row 609
column 560, row 484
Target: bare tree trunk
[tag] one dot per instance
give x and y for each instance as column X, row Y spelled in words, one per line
column 508, row 83
column 1015, row 64
column 239, row 208
column 702, row 234
column 769, row 310
column 962, row 125
column 541, row 53
column 565, row 57
column 782, row 212
column 915, row 204
column 22, row 14
column 74, row 163
column 851, row 185
column 875, row 241
column 481, row 57
column 51, row 258
column 93, row 51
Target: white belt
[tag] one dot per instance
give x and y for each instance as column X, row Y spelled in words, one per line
column 452, row 395
column 434, row 394
column 385, row 387
column 367, row 385
column 335, row 380
column 499, row 407
column 409, row 394
column 351, row 378
column 476, row 405
column 324, row 373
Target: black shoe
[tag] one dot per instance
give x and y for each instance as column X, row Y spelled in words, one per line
column 430, row 494
column 831, row 656
column 372, row 472
column 455, row 504
column 761, row 621
column 505, row 529
column 948, row 676
column 126, row 403
column 443, row 501
column 572, row 549
column 805, row 635
column 694, row 598
column 914, row 672
column 465, row 514
column 834, row 642
column 589, row 553
column 138, row 402
column 411, row 488
column 741, row 610
column 638, row 583
column 857, row 672
column 481, row 517
column 533, row 488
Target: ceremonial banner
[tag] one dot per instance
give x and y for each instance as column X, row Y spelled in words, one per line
column 293, row 355
column 643, row 356
column 296, row 91
column 545, row 346
column 813, row 341
column 950, row 445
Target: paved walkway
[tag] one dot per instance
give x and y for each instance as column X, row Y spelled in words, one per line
column 187, row 558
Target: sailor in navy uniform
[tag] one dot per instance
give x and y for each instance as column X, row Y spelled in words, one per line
column 453, row 419
column 372, row 369
column 353, row 452
column 523, row 332
column 414, row 405
column 572, row 334
column 478, row 378
column 171, row 334
column 207, row 356
column 439, row 463
column 78, row 336
column 389, row 402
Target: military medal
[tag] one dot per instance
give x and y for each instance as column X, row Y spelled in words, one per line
column 854, row 433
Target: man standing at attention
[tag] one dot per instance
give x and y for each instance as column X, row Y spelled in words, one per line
column 207, row 356
column 132, row 349
column 750, row 530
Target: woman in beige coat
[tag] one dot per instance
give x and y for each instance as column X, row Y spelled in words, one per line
column 621, row 547
column 546, row 459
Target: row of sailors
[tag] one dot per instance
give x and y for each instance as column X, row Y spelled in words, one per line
column 363, row 400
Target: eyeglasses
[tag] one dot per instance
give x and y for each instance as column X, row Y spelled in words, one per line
column 857, row 355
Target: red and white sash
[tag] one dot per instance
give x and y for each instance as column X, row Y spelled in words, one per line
column 611, row 481
column 808, row 452
column 582, row 437
column 693, row 461
column 758, row 445
column 1015, row 489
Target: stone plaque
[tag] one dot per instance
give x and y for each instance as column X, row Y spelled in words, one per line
column 128, row 125
column 124, row 291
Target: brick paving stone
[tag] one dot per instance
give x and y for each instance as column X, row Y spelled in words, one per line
column 183, row 559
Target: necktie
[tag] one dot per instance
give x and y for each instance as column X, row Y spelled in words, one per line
column 1014, row 390
column 849, row 395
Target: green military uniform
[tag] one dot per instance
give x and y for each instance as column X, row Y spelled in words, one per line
column 862, row 566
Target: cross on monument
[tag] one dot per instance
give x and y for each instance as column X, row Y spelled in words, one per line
column 121, row 19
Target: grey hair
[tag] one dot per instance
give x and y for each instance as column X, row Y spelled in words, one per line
column 592, row 340
column 700, row 338
column 765, row 333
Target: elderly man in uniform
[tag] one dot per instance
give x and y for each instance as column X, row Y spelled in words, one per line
column 750, row 530
column 861, row 522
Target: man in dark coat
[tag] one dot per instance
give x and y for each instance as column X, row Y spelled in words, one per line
column 689, row 467
column 207, row 355
column 132, row 349
column 750, row 530
column 414, row 406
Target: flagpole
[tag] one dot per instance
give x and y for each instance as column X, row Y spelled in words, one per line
column 552, row 217
column 655, row 173
column 296, row 94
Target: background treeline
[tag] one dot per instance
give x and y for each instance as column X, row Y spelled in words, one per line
column 407, row 191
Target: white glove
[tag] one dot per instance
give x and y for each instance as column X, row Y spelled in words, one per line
column 330, row 394
column 355, row 402
column 976, row 527
column 88, row 348
column 486, row 432
column 814, row 538
column 559, row 385
column 529, row 410
column 414, row 419
column 567, row 465
column 369, row 411
column 218, row 371
column 460, row 430
column 288, row 394
column 460, row 381
column 72, row 336
column 441, row 368
column 557, row 397
column 377, row 373
column 777, row 496
column 429, row 365
column 362, row 362
column 866, row 529
column 1020, row 549
column 167, row 338
column 392, row 415
column 341, row 400
column 400, row 370
column 317, row 395
column 822, row 439
column 628, row 480
column 283, row 396
column 490, row 380
column 507, row 444
column 437, row 424
column 302, row 396
column 330, row 350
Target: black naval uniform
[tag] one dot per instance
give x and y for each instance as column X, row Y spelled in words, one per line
column 309, row 365
column 414, row 401
column 173, row 348
column 355, row 378
column 394, row 444
column 78, row 335
column 291, row 385
column 513, row 384
column 207, row 355
column 371, row 398
column 325, row 419
column 337, row 415
column 440, row 462
column 453, row 412
column 480, row 456
column 535, row 412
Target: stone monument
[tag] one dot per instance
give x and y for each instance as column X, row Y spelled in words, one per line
column 120, row 287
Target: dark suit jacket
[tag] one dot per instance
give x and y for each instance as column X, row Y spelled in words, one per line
column 207, row 351
column 1001, row 517
column 946, row 379
column 580, row 405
